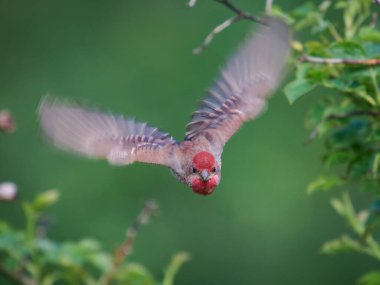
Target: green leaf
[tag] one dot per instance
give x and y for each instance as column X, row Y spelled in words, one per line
column 134, row 274
column 340, row 245
column 338, row 156
column 369, row 34
column 46, row 199
column 324, row 183
column 347, row 49
column 304, row 9
column 297, row 88
column 372, row 50
column 279, row 13
column 370, row 278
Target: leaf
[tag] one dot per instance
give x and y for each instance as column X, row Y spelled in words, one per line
column 370, row 278
column 45, row 199
column 338, row 206
column 372, row 50
column 369, row 34
column 304, row 9
column 276, row 11
column 324, row 183
column 134, row 274
column 310, row 20
column 340, row 245
column 338, row 156
column 297, row 88
column 347, row 49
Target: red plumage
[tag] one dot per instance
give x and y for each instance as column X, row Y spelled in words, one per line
column 204, row 160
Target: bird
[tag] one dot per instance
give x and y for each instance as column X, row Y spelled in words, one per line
column 238, row 94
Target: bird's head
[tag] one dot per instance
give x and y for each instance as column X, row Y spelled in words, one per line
column 204, row 173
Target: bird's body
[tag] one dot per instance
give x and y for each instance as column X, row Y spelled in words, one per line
column 238, row 95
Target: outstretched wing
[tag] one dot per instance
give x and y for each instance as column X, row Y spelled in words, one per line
column 96, row 135
column 240, row 92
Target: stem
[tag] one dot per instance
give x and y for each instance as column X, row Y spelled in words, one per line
column 216, row 31
column 124, row 250
column 174, row 266
column 347, row 61
column 375, row 84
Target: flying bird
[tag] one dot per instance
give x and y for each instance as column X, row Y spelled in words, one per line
column 239, row 94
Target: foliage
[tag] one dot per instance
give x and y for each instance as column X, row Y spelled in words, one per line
column 340, row 58
column 29, row 257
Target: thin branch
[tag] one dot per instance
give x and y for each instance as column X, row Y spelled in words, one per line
column 237, row 11
column 216, row 31
column 239, row 15
column 348, row 61
column 124, row 250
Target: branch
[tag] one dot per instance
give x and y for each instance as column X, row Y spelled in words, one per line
column 239, row 15
column 206, row 42
column 348, row 61
column 124, row 250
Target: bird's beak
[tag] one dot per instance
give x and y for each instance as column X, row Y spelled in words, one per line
column 205, row 175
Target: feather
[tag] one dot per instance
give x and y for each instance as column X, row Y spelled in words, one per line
column 248, row 79
column 96, row 135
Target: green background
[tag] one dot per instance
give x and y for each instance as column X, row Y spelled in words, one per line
column 134, row 57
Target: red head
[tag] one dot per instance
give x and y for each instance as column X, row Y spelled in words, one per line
column 205, row 172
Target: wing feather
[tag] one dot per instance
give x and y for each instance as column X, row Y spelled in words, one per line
column 96, row 135
column 240, row 92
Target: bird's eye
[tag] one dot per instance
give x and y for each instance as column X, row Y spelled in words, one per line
column 214, row 169
column 194, row 170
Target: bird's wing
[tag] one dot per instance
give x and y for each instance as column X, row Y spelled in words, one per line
column 241, row 91
column 96, row 135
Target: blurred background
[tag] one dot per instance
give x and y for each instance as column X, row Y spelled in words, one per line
column 135, row 57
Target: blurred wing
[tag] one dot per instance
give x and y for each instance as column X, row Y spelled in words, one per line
column 121, row 141
column 243, row 86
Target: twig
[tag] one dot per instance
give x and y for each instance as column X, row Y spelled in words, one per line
column 348, row 61
column 239, row 15
column 214, row 32
column 237, row 11
column 123, row 251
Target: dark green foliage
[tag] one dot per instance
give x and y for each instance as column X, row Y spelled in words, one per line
column 337, row 60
